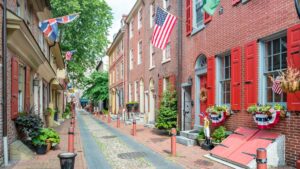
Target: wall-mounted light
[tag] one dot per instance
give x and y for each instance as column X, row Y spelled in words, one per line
column 221, row 10
column 36, row 82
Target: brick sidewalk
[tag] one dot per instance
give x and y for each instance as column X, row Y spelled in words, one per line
column 188, row 157
column 50, row 160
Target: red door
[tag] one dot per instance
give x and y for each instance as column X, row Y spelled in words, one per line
column 203, row 104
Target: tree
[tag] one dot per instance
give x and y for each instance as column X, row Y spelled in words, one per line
column 87, row 34
column 96, row 86
column 167, row 117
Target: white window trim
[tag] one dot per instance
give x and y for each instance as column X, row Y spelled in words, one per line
column 151, row 61
column 140, row 14
column 135, row 91
column 131, row 59
column 140, row 52
column 129, row 92
column 164, row 59
column 195, row 28
column 151, row 13
column 262, row 82
column 165, row 4
column 131, row 29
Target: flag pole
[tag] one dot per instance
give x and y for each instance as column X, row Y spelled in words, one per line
column 78, row 13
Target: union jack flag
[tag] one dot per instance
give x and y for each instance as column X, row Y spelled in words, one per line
column 69, row 54
column 164, row 24
column 50, row 26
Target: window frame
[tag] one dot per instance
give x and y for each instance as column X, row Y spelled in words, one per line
column 140, row 50
column 166, row 4
column 140, row 18
column 151, row 53
column 131, row 25
column 166, row 82
column 131, row 59
column 196, row 28
column 167, row 53
column 221, row 80
column 262, row 93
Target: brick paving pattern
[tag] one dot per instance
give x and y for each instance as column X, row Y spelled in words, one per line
column 50, row 160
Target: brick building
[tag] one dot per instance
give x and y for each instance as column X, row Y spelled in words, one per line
column 232, row 53
column 35, row 74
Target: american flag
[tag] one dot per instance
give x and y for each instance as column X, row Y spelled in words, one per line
column 164, row 24
column 50, row 26
column 276, row 86
column 201, row 114
column 69, row 54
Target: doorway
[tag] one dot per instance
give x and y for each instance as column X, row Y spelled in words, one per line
column 186, row 108
column 151, row 117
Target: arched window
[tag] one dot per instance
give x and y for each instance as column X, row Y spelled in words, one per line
column 201, row 62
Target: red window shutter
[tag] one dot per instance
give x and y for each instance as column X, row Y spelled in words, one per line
column 207, row 18
column 234, row 2
column 189, row 23
column 236, row 54
column 27, row 89
column 172, row 80
column 14, row 87
column 211, row 74
column 251, row 74
column 293, row 58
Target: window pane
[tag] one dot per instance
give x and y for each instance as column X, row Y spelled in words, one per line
column 276, row 46
column 269, row 95
column 283, row 61
column 227, row 73
column 276, row 62
column 227, row 86
column 269, row 48
column 277, row 97
column 283, row 44
column 227, row 98
column 227, row 61
column 269, row 63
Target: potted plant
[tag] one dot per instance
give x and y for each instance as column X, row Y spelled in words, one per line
column 219, row 135
column 52, row 139
column 28, row 126
column 201, row 137
column 40, row 143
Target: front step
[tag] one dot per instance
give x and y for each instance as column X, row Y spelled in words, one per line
column 185, row 141
column 191, row 134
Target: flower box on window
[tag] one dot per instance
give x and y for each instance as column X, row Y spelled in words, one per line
column 267, row 116
column 218, row 114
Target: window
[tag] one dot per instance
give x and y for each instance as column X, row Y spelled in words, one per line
column 140, row 52
column 136, row 91
column 152, row 14
column 140, row 17
column 151, row 55
column 167, row 53
column 166, row 4
column 274, row 62
column 130, row 59
column 18, row 8
column 21, row 94
column 198, row 23
column 224, row 78
column 131, row 29
column 117, row 73
column 122, row 70
column 130, row 92
column 165, row 83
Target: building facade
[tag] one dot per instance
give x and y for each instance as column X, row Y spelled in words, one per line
column 33, row 63
column 232, row 54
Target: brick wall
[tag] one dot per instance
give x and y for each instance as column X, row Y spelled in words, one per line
column 237, row 26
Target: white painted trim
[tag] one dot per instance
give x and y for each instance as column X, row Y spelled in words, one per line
column 151, row 68
column 218, row 91
column 5, row 151
column 261, row 80
column 166, row 61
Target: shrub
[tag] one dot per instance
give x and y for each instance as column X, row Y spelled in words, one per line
column 219, row 134
column 46, row 134
column 201, row 134
column 167, row 117
column 29, row 124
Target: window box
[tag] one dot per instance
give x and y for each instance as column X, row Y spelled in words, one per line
column 218, row 114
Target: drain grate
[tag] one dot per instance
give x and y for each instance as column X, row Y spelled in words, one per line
column 108, row 137
column 131, row 155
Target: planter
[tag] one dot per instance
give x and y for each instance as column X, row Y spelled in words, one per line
column 54, row 146
column 48, row 145
column 41, row 149
column 200, row 141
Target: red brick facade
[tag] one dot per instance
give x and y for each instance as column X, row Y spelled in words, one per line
column 236, row 27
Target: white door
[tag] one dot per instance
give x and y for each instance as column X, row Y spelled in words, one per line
column 152, row 108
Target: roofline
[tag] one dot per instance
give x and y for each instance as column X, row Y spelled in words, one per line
column 134, row 9
column 117, row 39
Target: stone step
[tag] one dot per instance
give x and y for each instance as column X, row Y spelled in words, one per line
column 149, row 125
column 185, row 141
column 191, row 134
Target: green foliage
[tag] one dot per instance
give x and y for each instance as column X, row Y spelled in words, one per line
column 201, row 134
column 51, row 111
column 97, row 86
column 87, row 34
column 67, row 110
column 219, row 134
column 46, row 134
column 105, row 112
column 167, row 117
column 29, row 124
column 132, row 102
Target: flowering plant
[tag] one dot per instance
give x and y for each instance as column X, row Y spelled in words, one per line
column 218, row 109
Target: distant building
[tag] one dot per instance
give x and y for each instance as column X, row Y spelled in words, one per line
column 102, row 104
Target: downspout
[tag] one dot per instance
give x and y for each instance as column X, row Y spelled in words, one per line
column 4, row 83
column 179, row 60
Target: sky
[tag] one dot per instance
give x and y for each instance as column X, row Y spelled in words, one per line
column 119, row 8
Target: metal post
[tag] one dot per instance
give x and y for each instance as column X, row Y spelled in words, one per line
column 118, row 121
column 134, row 127
column 71, row 140
column 173, row 142
column 261, row 158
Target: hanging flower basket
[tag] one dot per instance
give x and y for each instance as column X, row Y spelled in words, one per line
column 218, row 114
column 266, row 116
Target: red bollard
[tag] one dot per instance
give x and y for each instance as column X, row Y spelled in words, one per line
column 103, row 116
column 71, row 140
column 108, row 118
column 298, row 164
column 134, row 127
column 73, row 122
column 261, row 158
column 118, row 121
column 173, row 142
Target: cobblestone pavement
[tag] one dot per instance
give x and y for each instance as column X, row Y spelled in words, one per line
column 117, row 150
column 50, row 160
